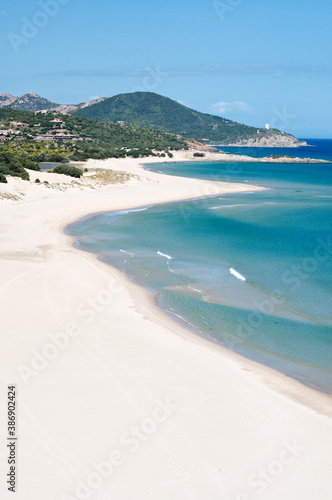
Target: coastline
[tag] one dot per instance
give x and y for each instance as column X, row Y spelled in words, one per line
column 233, row 157
column 131, row 354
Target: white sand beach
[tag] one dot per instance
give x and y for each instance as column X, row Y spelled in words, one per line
column 115, row 399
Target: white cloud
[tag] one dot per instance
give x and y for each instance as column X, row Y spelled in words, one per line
column 223, row 107
column 230, row 69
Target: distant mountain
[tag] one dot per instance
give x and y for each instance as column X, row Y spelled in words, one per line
column 34, row 102
column 26, row 102
column 150, row 110
column 6, row 100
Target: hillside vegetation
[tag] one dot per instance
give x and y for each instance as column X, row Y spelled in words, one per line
column 35, row 137
column 91, row 139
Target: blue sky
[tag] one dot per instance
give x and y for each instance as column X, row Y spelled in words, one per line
column 253, row 61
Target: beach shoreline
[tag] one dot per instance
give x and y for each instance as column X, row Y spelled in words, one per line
column 315, row 399
column 136, row 354
column 145, row 300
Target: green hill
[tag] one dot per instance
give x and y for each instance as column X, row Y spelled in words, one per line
column 150, row 110
column 58, row 137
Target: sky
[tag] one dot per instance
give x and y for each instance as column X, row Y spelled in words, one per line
column 252, row 61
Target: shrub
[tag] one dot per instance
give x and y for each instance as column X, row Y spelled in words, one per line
column 56, row 158
column 3, row 178
column 37, row 180
column 280, row 156
column 80, row 156
column 31, row 165
column 199, row 155
column 68, row 170
column 11, row 165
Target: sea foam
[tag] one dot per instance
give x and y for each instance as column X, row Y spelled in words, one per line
column 237, row 274
column 164, row 255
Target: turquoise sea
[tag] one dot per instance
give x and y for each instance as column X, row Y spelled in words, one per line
column 250, row 271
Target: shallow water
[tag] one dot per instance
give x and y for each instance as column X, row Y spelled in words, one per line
column 252, row 271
